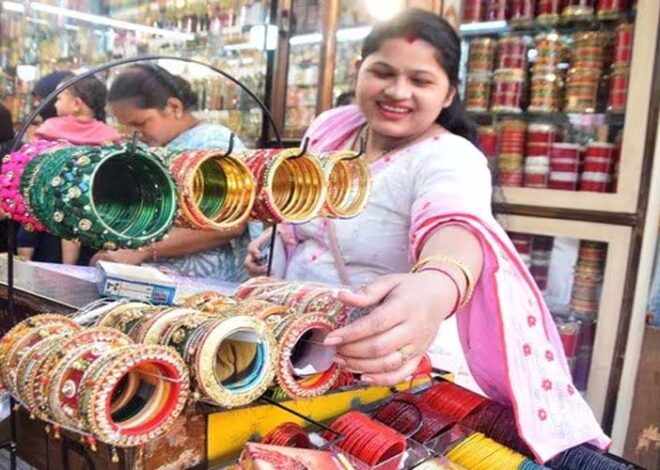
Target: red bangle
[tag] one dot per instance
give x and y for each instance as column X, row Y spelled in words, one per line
column 459, row 295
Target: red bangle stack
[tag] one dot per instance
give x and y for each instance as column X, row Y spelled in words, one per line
column 288, row 435
column 452, row 401
column 369, row 441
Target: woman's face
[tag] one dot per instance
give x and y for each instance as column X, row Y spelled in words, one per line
column 401, row 88
column 67, row 104
column 155, row 126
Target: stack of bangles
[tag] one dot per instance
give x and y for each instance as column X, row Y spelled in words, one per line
column 13, row 167
column 436, row 263
column 303, row 370
column 231, row 356
column 302, row 297
column 410, row 415
column 349, row 184
column 290, row 187
column 96, row 382
column 478, row 451
column 369, row 441
column 216, row 191
column 73, row 191
column 288, row 435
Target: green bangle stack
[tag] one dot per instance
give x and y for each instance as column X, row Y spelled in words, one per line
column 110, row 197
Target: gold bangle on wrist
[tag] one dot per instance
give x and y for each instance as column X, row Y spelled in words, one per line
column 469, row 278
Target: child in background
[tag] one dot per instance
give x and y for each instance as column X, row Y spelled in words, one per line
column 81, row 121
column 80, row 116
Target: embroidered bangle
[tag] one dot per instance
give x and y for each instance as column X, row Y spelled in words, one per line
column 72, row 191
column 469, row 290
column 13, row 168
column 66, row 384
column 26, row 335
column 448, row 275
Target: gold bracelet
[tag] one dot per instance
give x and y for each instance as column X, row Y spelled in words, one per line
column 469, row 289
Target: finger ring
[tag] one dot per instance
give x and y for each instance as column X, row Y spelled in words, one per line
column 406, row 352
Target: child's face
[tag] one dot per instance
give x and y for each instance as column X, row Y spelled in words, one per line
column 67, row 104
column 402, row 89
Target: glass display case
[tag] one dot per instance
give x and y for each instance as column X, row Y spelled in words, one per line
column 580, row 269
column 550, row 88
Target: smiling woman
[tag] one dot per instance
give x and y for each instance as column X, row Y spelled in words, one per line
column 433, row 263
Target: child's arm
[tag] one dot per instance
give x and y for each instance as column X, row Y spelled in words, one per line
column 70, row 252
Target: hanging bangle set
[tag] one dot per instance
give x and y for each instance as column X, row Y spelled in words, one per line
column 129, row 196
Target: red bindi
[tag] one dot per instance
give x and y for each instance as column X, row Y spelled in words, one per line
column 410, row 37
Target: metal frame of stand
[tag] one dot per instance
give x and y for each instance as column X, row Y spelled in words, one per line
column 11, row 445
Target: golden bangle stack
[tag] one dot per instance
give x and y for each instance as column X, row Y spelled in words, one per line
column 448, row 260
column 216, row 191
column 94, row 381
column 349, row 184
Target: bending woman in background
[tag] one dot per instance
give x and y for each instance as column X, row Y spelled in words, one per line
column 427, row 245
column 159, row 106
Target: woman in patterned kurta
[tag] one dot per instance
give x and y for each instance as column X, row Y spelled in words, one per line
column 431, row 200
column 158, row 105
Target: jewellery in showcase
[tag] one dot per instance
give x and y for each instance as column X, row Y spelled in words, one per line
column 290, row 187
column 349, row 184
column 73, row 191
column 13, row 166
column 216, row 191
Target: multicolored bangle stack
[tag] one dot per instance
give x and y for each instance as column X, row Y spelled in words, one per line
column 230, row 355
column 26, row 335
column 13, row 166
column 216, row 191
column 96, row 382
column 231, row 359
column 290, row 187
column 349, row 184
column 74, row 192
column 302, row 297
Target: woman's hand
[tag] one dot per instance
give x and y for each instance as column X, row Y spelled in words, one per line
column 387, row 344
column 135, row 257
column 254, row 263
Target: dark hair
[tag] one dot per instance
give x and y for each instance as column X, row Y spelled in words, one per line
column 420, row 24
column 150, row 86
column 93, row 93
column 345, row 98
column 45, row 86
column 6, row 130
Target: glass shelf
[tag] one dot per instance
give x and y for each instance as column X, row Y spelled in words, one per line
column 501, row 28
column 582, row 119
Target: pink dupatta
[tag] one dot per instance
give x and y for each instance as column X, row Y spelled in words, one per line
column 507, row 333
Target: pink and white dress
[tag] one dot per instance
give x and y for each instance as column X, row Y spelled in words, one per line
column 508, row 337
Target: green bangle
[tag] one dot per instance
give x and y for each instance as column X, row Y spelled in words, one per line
column 106, row 197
